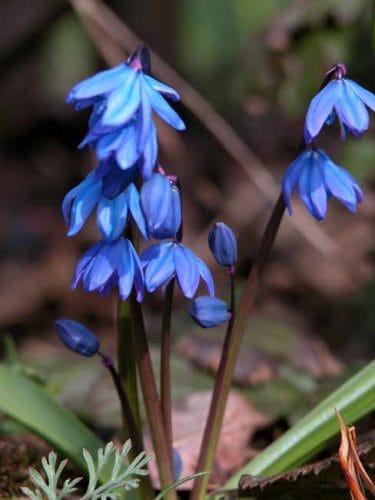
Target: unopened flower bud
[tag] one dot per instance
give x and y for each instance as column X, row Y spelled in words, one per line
column 223, row 244
column 208, row 311
column 77, row 337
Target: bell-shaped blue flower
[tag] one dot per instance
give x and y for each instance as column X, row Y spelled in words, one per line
column 77, row 337
column 161, row 205
column 223, row 244
column 112, row 213
column 342, row 98
column 123, row 92
column 110, row 263
column 166, row 260
column 208, row 311
column 317, row 178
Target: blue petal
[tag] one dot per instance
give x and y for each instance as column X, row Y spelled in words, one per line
column 101, row 83
column 320, row 108
column 111, row 216
column 125, row 270
column 102, row 267
column 160, row 269
column 122, row 103
column 139, row 280
column 67, row 201
column 365, row 95
column 291, row 177
column 127, row 153
column 149, row 154
column 187, row 271
column 83, row 205
column 209, row 312
column 134, row 204
column 340, row 184
column 318, row 193
column 162, row 88
column 85, row 261
column 304, row 187
column 206, row 276
column 143, row 122
column 154, row 252
column 352, row 111
column 163, row 109
column 156, row 198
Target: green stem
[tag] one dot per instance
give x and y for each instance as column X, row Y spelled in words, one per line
column 145, row 490
column 165, row 369
column 127, row 366
column 151, row 398
column 232, row 342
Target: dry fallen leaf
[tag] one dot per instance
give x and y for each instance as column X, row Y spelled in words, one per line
column 241, row 420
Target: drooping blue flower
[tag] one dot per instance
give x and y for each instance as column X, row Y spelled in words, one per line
column 177, row 464
column 317, row 178
column 168, row 259
column 110, row 263
column 208, row 311
column 112, row 213
column 120, row 93
column 161, row 205
column 342, row 98
column 77, row 337
column 223, row 244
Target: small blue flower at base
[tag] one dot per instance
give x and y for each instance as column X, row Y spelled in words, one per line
column 208, row 311
column 77, row 337
column 177, row 464
column 120, row 93
column 169, row 259
column 110, row 263
column 342, row 98
column 223, row 244
column 317, row 179
column 112, row 213
column 161, row 205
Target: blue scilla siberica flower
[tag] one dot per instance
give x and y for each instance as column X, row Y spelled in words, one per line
column 317, row 178
column 169, row 259
column 77, row 337
column 112, row 213
column 208, row 311
column 123, row 99
column 108, row 264
column 161, row 204
column 223, row 244
column 341, row 98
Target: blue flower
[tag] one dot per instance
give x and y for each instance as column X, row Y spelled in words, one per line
column 317, row 179
column 166, row 260
column 114, row 179
column 161, row 205
column 126, row 92
column 208, row 311
column 342, row 98
column 112, row 213
column 77, row 337
column 223, row 244
column 110, row 263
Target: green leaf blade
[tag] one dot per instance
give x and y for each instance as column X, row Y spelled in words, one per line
column 354, row 399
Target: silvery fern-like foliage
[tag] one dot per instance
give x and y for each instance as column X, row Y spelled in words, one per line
column 121, row 475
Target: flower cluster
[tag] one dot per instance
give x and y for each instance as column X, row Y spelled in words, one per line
column 315, row 175
column 129, row 185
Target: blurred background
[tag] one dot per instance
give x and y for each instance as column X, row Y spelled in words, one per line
column 246, row 72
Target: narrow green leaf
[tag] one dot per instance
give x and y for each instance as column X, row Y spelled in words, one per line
column 178, row 483
column 27, row 402
column 354, row 399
